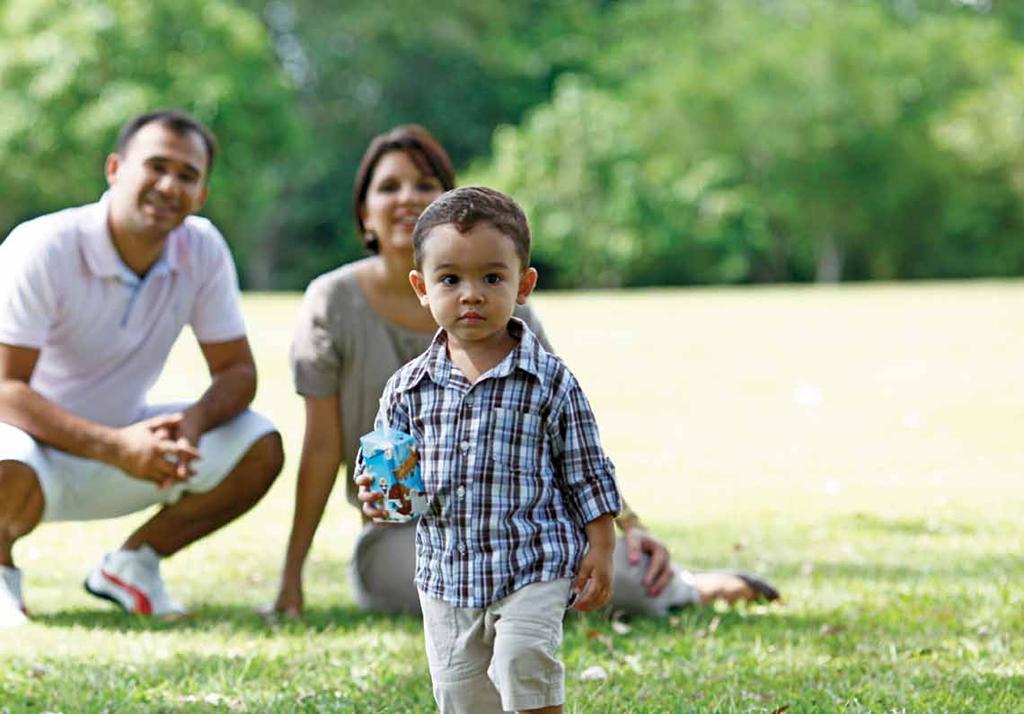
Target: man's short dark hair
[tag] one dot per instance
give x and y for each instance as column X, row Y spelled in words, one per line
column 464, row 208
column 178, row 121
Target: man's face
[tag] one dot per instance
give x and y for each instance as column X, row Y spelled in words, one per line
column 157, row 181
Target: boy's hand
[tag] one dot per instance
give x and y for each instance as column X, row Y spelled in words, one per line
column 594, row 581
column 369, row 497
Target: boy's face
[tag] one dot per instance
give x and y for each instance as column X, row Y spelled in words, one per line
column 471, row 281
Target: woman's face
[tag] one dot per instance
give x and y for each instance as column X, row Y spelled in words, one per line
column 397, row 194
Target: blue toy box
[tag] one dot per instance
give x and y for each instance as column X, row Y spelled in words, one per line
column 390, row 457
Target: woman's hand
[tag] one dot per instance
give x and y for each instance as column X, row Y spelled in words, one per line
column 289, row 602
column 318, row 471
column 659, row 567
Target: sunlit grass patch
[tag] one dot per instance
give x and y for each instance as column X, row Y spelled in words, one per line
column 860, row 447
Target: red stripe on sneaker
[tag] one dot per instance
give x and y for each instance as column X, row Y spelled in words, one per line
column 142, row 604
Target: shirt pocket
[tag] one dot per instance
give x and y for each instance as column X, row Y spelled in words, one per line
column 516, row 440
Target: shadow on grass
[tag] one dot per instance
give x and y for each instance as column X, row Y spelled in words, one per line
column 938, row 581
column 193, row 681
column 875, row 523
column 229, row 618
column 993, row 567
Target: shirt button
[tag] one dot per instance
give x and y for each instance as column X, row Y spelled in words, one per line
column 469, row 401
column 464, row 446
column 462, row 549
column 461, row 491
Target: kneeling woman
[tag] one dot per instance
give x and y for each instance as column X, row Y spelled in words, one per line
column 362, row 321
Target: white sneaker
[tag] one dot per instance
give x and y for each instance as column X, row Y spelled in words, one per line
column 131, row 579
column 12, row 606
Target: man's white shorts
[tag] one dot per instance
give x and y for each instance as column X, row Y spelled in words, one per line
column 79, row 489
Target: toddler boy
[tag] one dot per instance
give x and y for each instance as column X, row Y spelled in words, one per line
column 522, row 496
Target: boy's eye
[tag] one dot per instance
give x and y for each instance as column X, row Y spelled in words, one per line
column 449, row 280
column 492, row 278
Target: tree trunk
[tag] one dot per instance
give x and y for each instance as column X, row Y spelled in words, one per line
column 261, row 265
column 830, row 260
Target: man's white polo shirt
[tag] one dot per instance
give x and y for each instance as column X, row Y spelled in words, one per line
column 103, row 332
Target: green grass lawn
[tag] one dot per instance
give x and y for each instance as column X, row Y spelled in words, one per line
column 861, row 446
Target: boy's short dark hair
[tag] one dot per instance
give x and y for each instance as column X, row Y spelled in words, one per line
column 464, row 208
column 178, row 121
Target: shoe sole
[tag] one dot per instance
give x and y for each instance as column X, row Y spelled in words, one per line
column 105, row 596
column 142, row 604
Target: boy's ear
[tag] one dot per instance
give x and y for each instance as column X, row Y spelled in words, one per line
column 419, row 285
column 527, row 282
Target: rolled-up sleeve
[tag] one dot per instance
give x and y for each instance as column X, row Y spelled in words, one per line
column 587, row 474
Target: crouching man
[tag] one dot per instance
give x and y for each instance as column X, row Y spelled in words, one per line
column 91, row 300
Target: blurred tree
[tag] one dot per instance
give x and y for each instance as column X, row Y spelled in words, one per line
column 775, row 140
column 653, row 141
column 1008, row 12
column 71, row 73
column 365, row 66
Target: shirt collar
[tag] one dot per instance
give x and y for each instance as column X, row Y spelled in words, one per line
column 526, row 356
column 436, row 364
column 102, row 257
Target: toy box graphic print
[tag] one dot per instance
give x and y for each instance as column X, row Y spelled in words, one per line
column 390, row 457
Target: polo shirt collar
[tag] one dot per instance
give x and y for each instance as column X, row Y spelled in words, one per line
column 101, row 256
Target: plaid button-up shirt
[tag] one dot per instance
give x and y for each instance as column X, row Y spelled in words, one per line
column 513, row 468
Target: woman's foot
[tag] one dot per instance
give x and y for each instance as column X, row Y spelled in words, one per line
column 732, row 587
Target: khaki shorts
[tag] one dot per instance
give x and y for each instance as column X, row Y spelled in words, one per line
column 501, row 657
column 80, row 489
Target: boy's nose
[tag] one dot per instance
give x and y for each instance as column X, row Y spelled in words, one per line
column 470, row 294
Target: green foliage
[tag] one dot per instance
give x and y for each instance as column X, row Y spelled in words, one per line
column 654, row 141
column 776, row 141
column 365, row 66
column 72, row 72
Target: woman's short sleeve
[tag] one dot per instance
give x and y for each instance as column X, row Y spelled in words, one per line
column 316, row 356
